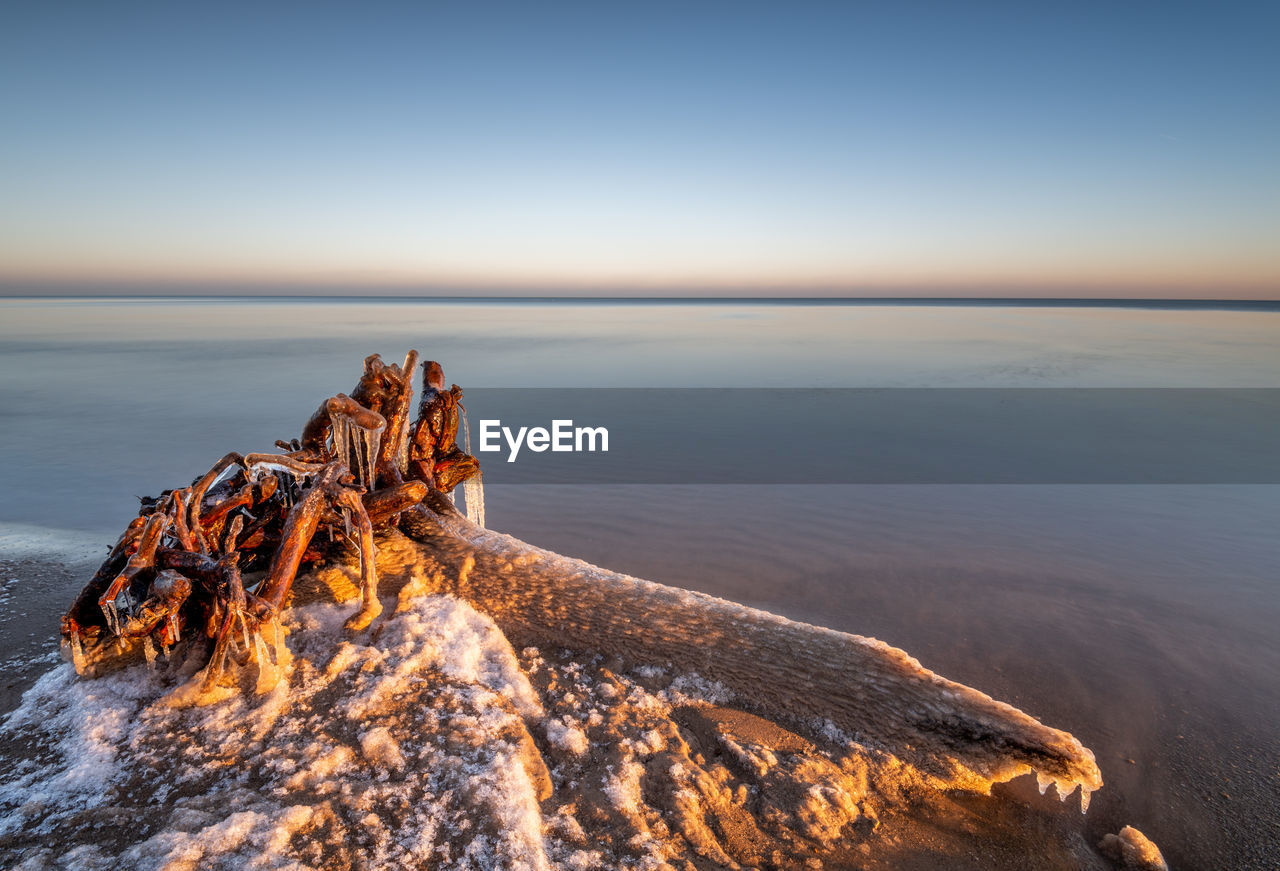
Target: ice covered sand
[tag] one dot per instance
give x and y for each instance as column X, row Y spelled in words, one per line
column 517, row 709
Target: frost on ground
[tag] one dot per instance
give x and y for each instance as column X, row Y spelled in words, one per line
column 427, row 741
column 404, row 750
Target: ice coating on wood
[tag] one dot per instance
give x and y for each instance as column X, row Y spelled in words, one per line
column 77, row 652
column 402, row 450
column 1133, row 851
column 111, row 610
column 428, row 741
column 473, row 496
column 356, row 447
column 473, row 487
column 640, row 724
column 401, row 435
column 790, row 669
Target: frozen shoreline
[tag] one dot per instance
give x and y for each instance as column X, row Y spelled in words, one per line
column 429, row 739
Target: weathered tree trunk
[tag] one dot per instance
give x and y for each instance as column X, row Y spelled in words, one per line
column 791, row 671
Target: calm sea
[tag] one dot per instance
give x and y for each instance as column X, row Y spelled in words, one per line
column 1140, row 618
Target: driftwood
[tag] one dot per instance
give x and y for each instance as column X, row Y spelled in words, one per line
column 203, row 572
column 788, row 671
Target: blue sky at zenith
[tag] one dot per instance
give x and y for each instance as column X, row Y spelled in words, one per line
column 938, row 148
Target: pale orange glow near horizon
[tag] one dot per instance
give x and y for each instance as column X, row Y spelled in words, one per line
column 1205, row 282
column 491, row 247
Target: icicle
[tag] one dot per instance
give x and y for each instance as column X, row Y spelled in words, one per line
column 1064, row 788
column 356, row 447
column 371, row 440
column 77, row 652
column 473, row 490
column 173, row 634
column 266, row 670
column 113, row 620
column 111, row 610
column 473, row 487
column 366, row 457
column 402, row 449
column 149, row 650
column 277, row 642
column 358, row 541
column 355, row 438
column 341, row 429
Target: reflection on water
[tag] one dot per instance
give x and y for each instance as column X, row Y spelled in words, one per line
column 1139, row 618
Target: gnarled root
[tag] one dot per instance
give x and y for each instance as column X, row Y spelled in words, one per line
column 252, row 513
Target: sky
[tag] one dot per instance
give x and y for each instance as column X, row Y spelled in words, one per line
column 849, row 149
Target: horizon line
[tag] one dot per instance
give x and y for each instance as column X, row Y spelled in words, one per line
column 1239, row 304
column 12, row 285
column 621, row 290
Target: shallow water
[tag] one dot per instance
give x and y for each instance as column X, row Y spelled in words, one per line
column 1140, row 618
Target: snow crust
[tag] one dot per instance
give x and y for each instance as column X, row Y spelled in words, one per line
column 404, row 747
column 426, row 741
